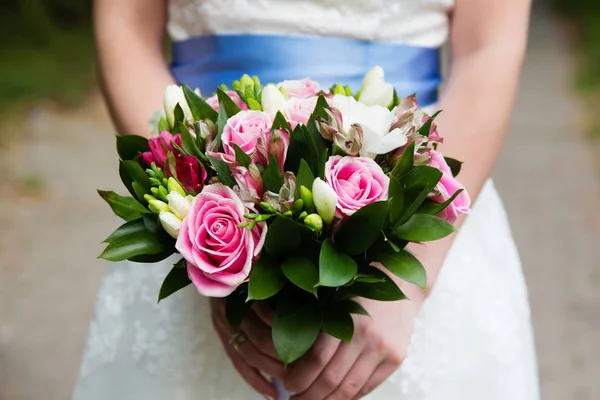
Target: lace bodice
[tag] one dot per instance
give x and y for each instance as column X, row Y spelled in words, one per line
column 417, row 22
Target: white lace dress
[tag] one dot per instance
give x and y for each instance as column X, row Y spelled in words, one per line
column 472, row 339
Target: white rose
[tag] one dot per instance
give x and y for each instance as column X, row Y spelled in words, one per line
column 272, row 100
column 173, row 96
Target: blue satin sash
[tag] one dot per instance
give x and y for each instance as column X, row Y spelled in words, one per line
column 205, row 62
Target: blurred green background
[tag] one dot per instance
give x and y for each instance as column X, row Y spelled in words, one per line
column 46, row 51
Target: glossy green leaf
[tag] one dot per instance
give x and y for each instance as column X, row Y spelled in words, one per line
column 301, row 272
column 417, row 185
column 304, row 177
column 223, row 171
column 221, row 122
column 130, row 146
column 423, row 228
column 153, row 258
column 367, row 221
column 338, row 324
column 176, row 280
column 284, row 236
column 241, row 156
column 136, row 172
column 236, row 306
column 382, row 291
column 127, row 229
column 296, row 326
column 272, row 177
column 433, row 208
column 125, row 207
column 188, row 142
column 179, row 118
column 396, row 196
column 455, row 165
column 405, row 163
column 163, row 125
column 335, row 268
column 405, row 266
column 134, row 244
column 350, row 307
column 227, row 103
column 424, row 130
column 266, row 279
column 297, row 149
column 200, row 109
column 281, row 123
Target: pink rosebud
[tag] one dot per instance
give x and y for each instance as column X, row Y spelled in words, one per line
column 446, row 188
column 301, row 88
column 357, row 181
column 189, row 172
column 218, row 252
column 279, row 141
column 250, row 130
column 249, row 183
column 160, row 147
column 213, row 101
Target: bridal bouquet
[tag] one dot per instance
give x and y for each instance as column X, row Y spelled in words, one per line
column 287, row 193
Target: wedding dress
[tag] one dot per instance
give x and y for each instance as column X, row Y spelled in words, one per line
column 472, row 338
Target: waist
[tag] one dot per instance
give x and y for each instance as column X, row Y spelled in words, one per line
column 205, row 62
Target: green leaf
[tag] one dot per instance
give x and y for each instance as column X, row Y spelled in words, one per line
column 179, row 118
column 362, row 229
column 319, row 141
column 417, row 185
column 163, row 125
column 405, row 266
column 424, row 130
column 423, row 228
column 126, row 229
column 297, row 149
column 153, row 258
column 433, row 208
column 188, row 143
column 134, row 244
column 221, row 122
column 281, row 123
column 320, row 107
column 284, row 236
column 200, row 109
column 176, row 280
column 304, row 177
column 227, row 103
column 351, row 307
column 296, row 326
column 241, row 156
column 302, row 273
column 223, row 171
column 454, row 165
column 405, row 163
column 387, row 290
column 322, row 161
column 135, row 171
column 335, row 268
column 338, row 324
column 130, row 146
column 266, row 279
column 272, row 177
column 236, row 306
column 127, row 208
column 396, row 196
column 127, row 180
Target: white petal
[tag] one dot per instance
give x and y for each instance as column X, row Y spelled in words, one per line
column 389, row 142
column 325, row 200
column 170, row 223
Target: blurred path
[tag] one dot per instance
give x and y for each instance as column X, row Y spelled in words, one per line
column 49, row 240
column 547, row 178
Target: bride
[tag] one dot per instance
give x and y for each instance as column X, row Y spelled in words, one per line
column 467, row 338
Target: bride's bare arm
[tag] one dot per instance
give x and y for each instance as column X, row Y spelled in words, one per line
column 488, row 41
column 130, row 45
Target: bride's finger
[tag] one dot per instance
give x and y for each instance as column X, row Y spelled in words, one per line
column 264, row 311
column 262, row 362
column 259, row 334
column 357, row 377
column 334, row 374
column 381, row 373
column 251, row 375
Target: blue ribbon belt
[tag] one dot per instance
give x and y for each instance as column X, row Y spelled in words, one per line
column 205, row 62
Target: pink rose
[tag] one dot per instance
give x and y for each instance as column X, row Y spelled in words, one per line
column 250, row 130
column 446, row 187
column 357, row 181
column 218, row 252
column 301, row 88
column 214, row 101
column 299, row 110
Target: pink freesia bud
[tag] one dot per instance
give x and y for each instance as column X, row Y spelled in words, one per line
column 279, row 142
column 160, row 147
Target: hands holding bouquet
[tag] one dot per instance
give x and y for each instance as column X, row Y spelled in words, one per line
column 298, row 200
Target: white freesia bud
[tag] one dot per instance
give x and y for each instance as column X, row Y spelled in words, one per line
column 325, row 200
column 375, row 91
column 170, row 223
column 173, row 96
column 273, row 100
column 178, row 205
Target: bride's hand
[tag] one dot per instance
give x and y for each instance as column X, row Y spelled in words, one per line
column 337, row 370
column 254, row 353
